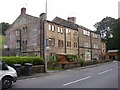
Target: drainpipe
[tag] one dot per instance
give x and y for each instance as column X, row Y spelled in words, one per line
column 91, row 44
column 65, row 39
column 20, row 41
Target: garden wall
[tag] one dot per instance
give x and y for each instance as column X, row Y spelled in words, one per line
column 35, row 69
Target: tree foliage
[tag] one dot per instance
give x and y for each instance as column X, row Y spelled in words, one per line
column 3, row 27
column 109, row 26
column 104, row 27
column 116, row 33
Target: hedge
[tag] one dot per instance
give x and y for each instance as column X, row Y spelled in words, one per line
column 21, row 60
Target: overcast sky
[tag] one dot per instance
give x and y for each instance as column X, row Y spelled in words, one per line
column 87, row 12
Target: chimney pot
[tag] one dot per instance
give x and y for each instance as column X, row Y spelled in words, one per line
column 23, row 10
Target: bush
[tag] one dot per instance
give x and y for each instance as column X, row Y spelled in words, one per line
column 71, row 57
column 38, row 61
column 21, row 60
column 81, row 60
column 54, row 58
column 10, row 60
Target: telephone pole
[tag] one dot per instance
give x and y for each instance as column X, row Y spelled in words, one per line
column 45, row 37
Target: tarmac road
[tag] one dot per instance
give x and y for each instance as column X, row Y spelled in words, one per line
column 102, row 76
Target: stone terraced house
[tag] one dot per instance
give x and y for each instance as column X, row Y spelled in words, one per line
column 26, row 36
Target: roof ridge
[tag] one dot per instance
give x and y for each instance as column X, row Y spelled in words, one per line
column 59, row 20
column 32, row 16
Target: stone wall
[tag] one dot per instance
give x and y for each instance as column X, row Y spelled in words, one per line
column 65, row 66
column 35, row 69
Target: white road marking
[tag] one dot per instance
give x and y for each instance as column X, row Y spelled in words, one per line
column 115, row 61
column 69, row 70
column 105, row 71
column 76, row 81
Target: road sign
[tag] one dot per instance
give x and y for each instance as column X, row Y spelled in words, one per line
column 47, row 49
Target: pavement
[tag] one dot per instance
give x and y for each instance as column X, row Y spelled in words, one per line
column 50, row 72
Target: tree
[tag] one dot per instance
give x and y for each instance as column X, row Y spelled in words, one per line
column 116, row 33
column 104, row 27
column 3, row 27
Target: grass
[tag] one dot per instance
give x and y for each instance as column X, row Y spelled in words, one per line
column 2, row 41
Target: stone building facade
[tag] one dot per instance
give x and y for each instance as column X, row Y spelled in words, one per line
column 23, row 34
column 26, row 35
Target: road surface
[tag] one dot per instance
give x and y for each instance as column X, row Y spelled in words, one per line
column 102, row 76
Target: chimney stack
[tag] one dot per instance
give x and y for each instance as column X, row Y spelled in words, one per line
column 72, row 19
column 23, row 10
column 43, row 16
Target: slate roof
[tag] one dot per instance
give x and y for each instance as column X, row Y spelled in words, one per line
column 59, row 21
column 65, row 23
column 68, row 24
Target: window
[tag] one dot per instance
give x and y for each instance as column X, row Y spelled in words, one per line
column 26, row 30
column 60, row 43
column 23, row 30
column 86, row 44
column 95, row 46
column 75, row 33
column 51, row 41
column 61, row 29
column 103, row 50
column 58, row 29
column 53, row 28
column 68, row 44
column 26, row 42
column 75, row 44
column 17, row 32
column 49, row 26
column 4, row 66
column 67, row 31
column 86, row 32
column 95, row 35
column 23, row 42
column 17, row 44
